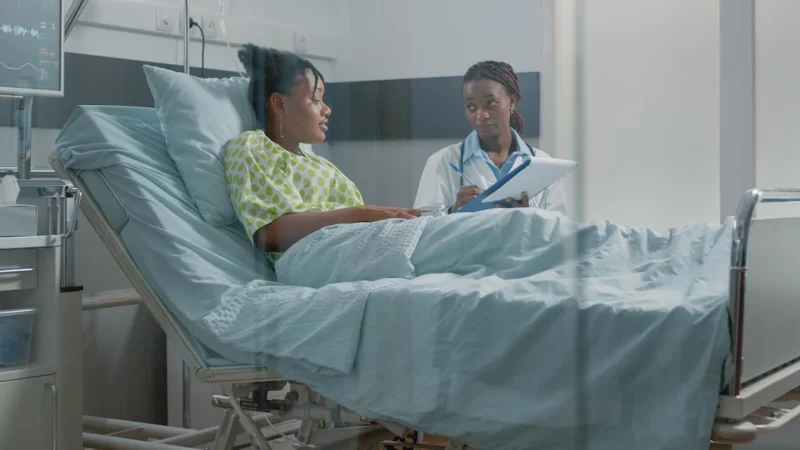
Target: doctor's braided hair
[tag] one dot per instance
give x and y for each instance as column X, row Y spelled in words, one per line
column 504, row 74
column 271, row 71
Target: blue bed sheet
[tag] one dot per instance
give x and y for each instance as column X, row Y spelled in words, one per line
column 508, row 353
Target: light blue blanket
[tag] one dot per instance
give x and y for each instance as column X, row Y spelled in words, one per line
column 509, row 328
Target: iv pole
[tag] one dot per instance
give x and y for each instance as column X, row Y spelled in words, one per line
column 186, row 376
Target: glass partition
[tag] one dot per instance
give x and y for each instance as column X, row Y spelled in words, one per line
column 481, row 222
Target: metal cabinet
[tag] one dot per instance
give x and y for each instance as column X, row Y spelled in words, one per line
column 40, row 351
column 29, row 418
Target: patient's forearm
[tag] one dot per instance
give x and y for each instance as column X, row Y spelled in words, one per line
column 285, row 231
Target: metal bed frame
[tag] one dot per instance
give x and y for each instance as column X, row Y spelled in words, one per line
column 744, row 411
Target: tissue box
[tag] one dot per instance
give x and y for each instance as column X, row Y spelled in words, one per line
column 19, row 220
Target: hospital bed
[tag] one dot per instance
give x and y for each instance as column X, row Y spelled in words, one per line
column 764, row 302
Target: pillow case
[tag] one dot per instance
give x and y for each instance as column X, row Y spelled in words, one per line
column 198, row 117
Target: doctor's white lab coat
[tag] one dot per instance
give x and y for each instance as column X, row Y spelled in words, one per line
column 439, row 184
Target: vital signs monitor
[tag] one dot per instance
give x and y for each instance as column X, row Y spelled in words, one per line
column 32, row 48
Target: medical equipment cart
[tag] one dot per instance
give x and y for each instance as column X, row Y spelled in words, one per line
column 40, row 329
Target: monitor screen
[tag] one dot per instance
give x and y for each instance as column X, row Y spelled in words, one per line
column 31, row 53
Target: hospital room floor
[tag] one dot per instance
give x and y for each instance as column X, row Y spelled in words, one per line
column 278, row 444
column 786, row 439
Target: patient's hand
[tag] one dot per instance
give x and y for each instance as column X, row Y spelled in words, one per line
column 369, row 213
column 522, row 203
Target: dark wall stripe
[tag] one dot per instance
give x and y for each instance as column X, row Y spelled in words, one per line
column 96, row 80
column 419, row 108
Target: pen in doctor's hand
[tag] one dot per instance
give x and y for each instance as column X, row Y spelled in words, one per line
column 461, row 174
column 465, row 195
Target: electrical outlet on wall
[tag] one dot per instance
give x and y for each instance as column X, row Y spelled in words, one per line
column 302, row 42
column 210, row 26
column 167, row 20
column 193, row 31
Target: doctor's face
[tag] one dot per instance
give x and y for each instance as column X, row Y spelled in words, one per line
column 488, row 107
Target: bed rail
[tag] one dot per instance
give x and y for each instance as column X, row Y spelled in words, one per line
column 743, row 221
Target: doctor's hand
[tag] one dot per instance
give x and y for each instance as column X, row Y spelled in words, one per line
column 465, row 195
column 524, row 202
column 370, row 213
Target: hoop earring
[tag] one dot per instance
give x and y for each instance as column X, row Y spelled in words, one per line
column 280, row 127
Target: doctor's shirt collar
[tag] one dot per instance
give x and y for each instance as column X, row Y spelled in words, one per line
column 472, row 145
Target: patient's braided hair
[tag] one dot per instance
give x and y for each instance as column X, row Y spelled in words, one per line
column 504, row 74
column 272, row 71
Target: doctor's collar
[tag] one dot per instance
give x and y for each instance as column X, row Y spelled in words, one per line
column 472, row 145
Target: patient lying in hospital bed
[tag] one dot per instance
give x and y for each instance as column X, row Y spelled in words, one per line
column 547, row 334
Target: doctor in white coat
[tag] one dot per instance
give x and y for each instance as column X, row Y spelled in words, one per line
column 491, row 93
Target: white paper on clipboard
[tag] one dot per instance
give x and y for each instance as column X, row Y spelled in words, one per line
column 533, row 179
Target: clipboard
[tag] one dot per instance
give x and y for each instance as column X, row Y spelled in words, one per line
column 532, row 176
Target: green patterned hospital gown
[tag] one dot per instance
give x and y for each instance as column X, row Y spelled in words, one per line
column 265, row 181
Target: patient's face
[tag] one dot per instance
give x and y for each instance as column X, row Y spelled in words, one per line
column 306, row 115
column 488, row 107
